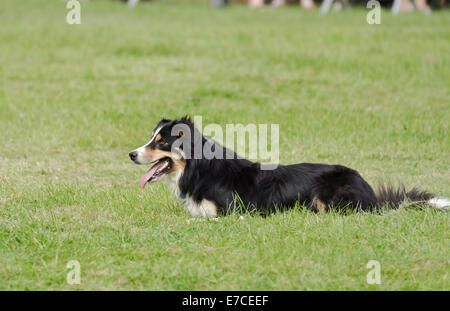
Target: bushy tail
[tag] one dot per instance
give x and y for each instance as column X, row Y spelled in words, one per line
column 387, row 195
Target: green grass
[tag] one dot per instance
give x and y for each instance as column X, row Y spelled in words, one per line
column 75, row 99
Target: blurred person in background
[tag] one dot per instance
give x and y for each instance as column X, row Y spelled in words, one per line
column 219, row 3
column 306, row 4
column 407, row 6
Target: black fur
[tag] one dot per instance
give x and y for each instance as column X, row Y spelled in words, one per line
column 222, row 181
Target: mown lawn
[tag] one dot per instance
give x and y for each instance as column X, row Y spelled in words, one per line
column 75, row 99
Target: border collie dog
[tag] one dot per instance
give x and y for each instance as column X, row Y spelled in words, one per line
column 212, row 186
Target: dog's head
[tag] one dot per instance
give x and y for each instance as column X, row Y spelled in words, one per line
column 163, row 149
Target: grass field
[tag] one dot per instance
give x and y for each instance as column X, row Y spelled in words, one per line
column 75, row 99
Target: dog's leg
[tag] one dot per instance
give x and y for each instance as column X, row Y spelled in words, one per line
column 319, row 205
column 209, row 208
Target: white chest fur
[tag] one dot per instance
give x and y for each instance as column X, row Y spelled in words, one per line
column 205, row 208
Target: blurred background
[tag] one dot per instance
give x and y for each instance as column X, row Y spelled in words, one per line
column 397, row 6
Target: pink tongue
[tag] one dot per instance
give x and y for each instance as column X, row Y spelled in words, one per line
column 150, row 173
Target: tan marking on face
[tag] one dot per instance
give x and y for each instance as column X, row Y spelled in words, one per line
column 178, row 165
column 151, row 154
column 159, row 139
column 181, row 155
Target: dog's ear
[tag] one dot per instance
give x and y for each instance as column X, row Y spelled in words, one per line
column 186, row 118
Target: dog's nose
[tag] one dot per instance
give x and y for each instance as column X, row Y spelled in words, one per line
column 133, row 155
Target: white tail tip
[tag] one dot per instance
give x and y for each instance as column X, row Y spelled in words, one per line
column 440, row 203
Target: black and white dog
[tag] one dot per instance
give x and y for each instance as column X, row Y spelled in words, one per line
column 211, row 186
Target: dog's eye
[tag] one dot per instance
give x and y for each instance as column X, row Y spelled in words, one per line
column 162, row 142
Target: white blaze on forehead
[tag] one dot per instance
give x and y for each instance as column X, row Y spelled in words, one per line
column 155, row 133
